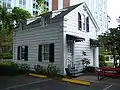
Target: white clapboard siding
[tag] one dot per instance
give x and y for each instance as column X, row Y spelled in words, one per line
column 71, row 27
column 38, row 35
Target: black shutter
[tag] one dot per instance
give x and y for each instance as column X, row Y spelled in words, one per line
column 87, row 24
column 79, row 21
column 18, row 53
column 26, row 53
column 51, row 52
column 40, row 53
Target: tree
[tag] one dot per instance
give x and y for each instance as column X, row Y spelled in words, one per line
column 42, row 6
column 19, row 15
column 111, row 41
column 7, row 20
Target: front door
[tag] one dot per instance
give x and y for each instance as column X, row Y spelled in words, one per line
column 70, row 53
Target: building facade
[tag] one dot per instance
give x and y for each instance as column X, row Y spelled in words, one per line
column 97, row 7
column 29, row 5
column 64, row 38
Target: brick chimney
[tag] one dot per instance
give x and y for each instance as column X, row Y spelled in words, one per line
column 66, row 3
column 54, row 4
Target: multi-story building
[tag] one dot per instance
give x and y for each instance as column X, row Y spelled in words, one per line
column 97, row 7
column 29, row 5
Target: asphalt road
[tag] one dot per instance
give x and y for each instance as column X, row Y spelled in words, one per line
column 57, row 85
column 30, row 83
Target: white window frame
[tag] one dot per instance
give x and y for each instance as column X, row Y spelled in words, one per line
column 45, row 52
column 22, row 52
column 83, row 22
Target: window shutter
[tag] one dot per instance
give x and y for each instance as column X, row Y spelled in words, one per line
column 26, row 53
column 18, row 53
column 79, row 21
column 87, row 24
column 40, row 53
column 51, row 52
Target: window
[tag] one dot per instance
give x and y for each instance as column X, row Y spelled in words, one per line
column 33, row 5
column 47, row 3
column 22, row 53
column 33, row 12
column 87, row 24
column 79, row 21
column 24, row 2
column 36, row 6
column 46, row 20
column 46, row 52
column 20, row 1
column 8, row 6
column 83, row 21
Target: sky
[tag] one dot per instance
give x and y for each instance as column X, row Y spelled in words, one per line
column 113, row 10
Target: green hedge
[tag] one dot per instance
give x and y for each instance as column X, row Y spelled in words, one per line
column 5, row 56
column 8, row 68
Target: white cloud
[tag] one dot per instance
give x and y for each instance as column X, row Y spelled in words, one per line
column 113, row 9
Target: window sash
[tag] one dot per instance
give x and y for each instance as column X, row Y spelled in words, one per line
column 45, row 52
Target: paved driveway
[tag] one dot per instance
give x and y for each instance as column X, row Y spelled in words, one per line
column 31, row 83
column 10, row 81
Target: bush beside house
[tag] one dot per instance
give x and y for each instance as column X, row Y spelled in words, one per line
column 8, row 68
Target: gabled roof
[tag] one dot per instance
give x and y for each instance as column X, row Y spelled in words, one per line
column 64, row 12
column 68, row 9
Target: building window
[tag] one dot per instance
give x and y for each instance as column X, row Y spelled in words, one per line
column 47, row 3
column 79, row 21
column 20, row 1
column 24, row 2
column 83, row 21
column 22, row 53
column 87, row 24
column 8, row 6
column 36, row 6
column 33, row 5
column 46, row 52
column 33, row 12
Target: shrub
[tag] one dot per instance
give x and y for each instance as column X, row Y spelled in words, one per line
column 102, row 61
column 5, row 56
column 52, row 70
column 39, row 69
column 90, row 69
column 24, row 68
column 8, row 68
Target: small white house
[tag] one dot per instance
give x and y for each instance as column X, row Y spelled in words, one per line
column 59, row 37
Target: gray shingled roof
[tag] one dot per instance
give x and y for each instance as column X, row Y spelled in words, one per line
column 62, row 14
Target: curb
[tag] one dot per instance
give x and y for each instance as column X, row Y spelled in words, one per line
column 80, row 82
column 36, row 75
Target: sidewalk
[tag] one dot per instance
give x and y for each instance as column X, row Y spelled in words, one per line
column 94, row 79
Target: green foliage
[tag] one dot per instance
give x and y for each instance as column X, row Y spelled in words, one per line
column 24, row 68
column 8, row 68
column 39, row 69
column 111, row 42
column 102, row 61
column 52, row 70
column 20, row 15
column 6, row 25
column 5, row 56
column 42, row 5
